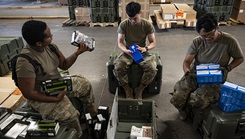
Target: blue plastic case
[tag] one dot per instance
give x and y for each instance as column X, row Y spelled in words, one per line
column 137, row 56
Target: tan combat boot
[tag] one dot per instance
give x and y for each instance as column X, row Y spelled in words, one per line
column 128, row 91
column 138, row 91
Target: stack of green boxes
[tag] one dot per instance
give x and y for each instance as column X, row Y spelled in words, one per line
column 103, row 11
column 72, row 4
column 9, row 47
column 221, row 8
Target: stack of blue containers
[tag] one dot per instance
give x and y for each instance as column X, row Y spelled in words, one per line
column 208, row 74
column 232, row 97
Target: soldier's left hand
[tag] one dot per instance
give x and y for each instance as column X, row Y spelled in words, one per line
column 225, row 72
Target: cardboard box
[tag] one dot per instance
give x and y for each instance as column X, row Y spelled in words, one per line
column 189, row 12
column 168, row 11
column 4, row 96
column 13, row 102
column 82, row 14
column 7, row 84
column 7, row 87
column 238, row 12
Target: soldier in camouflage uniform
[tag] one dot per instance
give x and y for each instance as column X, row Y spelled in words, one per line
column 135, row 30
column 38, row 37
column 212, row 46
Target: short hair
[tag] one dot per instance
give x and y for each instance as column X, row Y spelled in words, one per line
column 133, row 8
column 207, row 22
column 33, row 31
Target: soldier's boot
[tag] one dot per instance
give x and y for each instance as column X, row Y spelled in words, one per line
column 128, row 91
column 91, row 108
column 138, row 91
column 182, row 114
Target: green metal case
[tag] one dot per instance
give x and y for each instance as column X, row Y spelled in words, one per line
column 135, row 73
column 220, row 125
column 128, row 113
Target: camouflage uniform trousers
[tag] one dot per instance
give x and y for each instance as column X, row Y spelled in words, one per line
column 123, row 62
column 64, row 111
column 188, row 93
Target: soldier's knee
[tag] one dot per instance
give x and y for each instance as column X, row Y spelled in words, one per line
column 179, row 99
column 120, row 67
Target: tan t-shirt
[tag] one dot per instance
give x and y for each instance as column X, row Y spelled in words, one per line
column 220, row 51
column 48, row 59
column 135, row 33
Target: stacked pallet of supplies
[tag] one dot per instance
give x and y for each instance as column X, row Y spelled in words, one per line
column 10, row 96
column 175, row 15
column 238, row 12
column 220, row 8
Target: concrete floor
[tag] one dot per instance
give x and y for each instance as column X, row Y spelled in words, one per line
column 172, row 45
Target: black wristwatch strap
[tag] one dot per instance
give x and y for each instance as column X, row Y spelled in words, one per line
column 146, row 48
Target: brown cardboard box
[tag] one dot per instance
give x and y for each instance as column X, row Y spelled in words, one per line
column 239, row 13
column 4, row 96
column 13, row 102
column 190, row 13
column 8, row 99
column 82, row 14
column 7, row 84
column 237, row 4
column 168, row 11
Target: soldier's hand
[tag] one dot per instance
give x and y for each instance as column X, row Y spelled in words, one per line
column 189, row 75
column 128, row 52
column 225, row 71
column 61, row 95
column 82, row 48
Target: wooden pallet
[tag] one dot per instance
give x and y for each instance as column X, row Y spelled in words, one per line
column 114, row 24
column 69, row 22
column 236, row 22
column 83, row 23
column 225, row 23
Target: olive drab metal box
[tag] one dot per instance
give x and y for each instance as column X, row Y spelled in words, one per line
column 127, row 113
column 135, row 73
column 220, row 125
column 9, row 47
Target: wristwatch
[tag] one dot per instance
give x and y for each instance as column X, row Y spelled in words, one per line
column 146, row 48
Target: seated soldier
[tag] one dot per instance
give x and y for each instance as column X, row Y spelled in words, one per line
column 135, row 30
column 38, row 37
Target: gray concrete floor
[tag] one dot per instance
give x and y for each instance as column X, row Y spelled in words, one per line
column 172, row 45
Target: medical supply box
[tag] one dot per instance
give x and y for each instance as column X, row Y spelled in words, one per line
column 208, row 74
